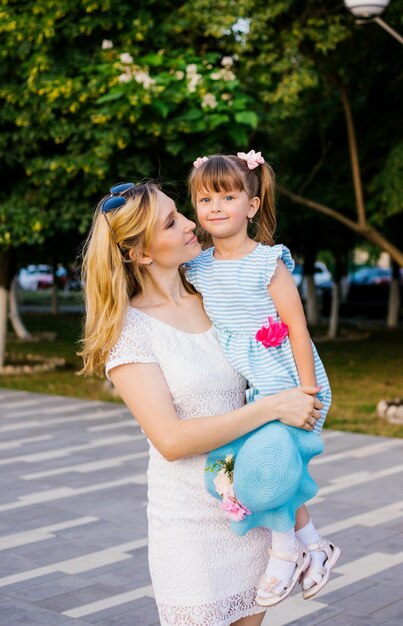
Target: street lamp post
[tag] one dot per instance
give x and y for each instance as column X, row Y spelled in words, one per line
column 369, row 11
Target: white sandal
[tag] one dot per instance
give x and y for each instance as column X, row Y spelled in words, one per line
column 273, row 590
column 320, row 574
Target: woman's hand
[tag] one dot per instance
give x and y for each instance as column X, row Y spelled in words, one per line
column 298, row 407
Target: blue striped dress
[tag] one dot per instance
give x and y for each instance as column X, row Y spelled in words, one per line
column 238, row 303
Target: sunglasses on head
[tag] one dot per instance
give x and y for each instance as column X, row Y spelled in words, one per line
column 115, row 201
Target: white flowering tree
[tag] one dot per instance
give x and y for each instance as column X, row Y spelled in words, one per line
column 95, row 92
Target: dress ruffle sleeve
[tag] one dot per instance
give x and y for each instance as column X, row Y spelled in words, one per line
column 273, row 254
column 190, row 269
column 133, row 346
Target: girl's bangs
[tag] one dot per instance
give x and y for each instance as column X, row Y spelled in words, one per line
column 217, row 174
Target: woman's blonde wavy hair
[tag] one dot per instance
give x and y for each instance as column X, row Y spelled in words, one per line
column 110, row 276
column 222, row 172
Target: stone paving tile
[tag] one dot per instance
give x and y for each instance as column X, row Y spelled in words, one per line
column 37, row 514
column 142, row 612
column 349, row 619
column 392, row 574
column 57, row 550
column 356, row 599
column 11, row 564
column 389, row 613
column 333, row 597
column 18, row 613
column 83, row 595
column 321, row 617
column 356, row 541
column 48, row 586
column 72, row 621
column 373, row 599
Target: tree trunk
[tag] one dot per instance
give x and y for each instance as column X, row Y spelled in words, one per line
column 308, row 287
column 311, row 300
column 15, row 319
column 334, row 311
column 6, row 262
column 338, row 290
column 394, row 299
column 54, row 298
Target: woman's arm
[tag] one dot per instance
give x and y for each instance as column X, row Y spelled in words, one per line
column 145, row 392
column 289, row 306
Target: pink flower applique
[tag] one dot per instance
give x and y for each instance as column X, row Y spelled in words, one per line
column 273, row 334
column 234, row 510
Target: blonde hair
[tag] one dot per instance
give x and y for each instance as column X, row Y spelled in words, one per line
column 110, row 276
column 223, row 172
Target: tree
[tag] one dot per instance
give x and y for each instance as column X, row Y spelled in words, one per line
column 92, row 93
column 95, row 92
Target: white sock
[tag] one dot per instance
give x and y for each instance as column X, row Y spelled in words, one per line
column 277, row 568
column 307, row 535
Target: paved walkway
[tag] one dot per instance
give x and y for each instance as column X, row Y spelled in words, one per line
column 73, row 540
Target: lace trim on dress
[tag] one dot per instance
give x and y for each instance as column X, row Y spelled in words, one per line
column 221, row 613
column 133, row 345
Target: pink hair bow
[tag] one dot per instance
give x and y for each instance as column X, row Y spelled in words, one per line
column 253, row 159
column 199, row 161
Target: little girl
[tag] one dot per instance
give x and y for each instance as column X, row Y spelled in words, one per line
column 254, row 305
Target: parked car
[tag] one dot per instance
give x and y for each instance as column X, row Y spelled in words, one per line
column 34, row 277
column 372, row 276
column 321, row 274
column 368, row 291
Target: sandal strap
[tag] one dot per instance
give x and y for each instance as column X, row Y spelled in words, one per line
column 285, row 556
column 296, row 556
column 316, row 573
column 322, row 545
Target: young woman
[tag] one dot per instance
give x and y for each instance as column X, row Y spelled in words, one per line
column 148, row 328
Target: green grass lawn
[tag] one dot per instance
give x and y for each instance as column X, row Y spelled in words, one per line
column 62, row 381
column 43, row 297
column 361, row 372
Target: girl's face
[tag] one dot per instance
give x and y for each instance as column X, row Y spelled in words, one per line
column 225, row 213
column 173, row 241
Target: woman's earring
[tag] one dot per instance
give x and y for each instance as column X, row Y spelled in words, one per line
column 251, row 220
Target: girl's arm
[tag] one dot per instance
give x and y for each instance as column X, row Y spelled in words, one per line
column 144, row 390
column 289, row 306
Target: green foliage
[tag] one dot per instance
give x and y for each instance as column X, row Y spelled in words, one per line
column 97, row 91
column 91, row 93
column 387, row 187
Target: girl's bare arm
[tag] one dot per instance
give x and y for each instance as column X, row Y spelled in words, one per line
column 289, row 306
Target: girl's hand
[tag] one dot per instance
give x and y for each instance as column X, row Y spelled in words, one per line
column 299, row 407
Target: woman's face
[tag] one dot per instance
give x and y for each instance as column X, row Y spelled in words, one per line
column 173, row 241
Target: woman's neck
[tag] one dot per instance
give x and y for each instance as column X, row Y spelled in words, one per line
column 234, row 247
column 161, row 288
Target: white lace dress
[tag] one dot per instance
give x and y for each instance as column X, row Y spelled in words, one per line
column 202, row 573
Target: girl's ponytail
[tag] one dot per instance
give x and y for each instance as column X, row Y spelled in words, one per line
column 265, row 220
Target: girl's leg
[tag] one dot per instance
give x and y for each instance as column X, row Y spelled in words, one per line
column 321, row 561
column 252, row 620
column 301, row 518
column 288, row 559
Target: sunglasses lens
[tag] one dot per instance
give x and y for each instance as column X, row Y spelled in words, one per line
column 113, row 203
column 121, row 187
